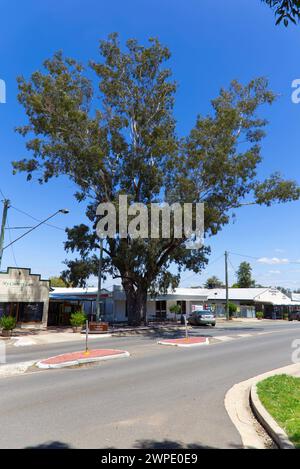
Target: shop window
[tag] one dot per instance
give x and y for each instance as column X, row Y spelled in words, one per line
column 182, row 304
column 4, row 309
column 161, row 309
column 31, row 312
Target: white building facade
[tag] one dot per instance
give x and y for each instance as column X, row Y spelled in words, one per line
column 25, row 296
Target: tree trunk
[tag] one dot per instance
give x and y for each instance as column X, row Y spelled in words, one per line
column 136, row 304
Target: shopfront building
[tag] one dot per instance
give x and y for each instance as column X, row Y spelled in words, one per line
column 25, row 296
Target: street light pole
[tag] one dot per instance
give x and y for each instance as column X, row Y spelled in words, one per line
column 6, row 203
column 62, row 210
column 98, row 305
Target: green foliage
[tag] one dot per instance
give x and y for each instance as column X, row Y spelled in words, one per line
column 129, row 144
column 8, row 323
column 285, row 291
column 213, row 282
column 259, row 315
column 280, row 395
column 285, row 10
column 244, row 276
column 232, row 309
column 58, row 282
column 77, row 319
column 176, row 309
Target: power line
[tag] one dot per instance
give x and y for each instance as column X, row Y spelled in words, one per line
column 258, row 258
column 209, row 264
column 10, row 240
column 36, row 219
column 19, row 228
column 2, row 194
column 234, row 269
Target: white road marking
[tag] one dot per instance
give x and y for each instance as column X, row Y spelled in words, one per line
column 224, row 338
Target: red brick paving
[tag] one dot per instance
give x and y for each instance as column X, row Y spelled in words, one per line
column 190, row 340
column 73, row 356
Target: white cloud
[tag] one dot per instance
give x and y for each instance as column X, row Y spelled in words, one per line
column 272, row 260
column 274, row 272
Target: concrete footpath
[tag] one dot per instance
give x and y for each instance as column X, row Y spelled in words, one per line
column 28, row 337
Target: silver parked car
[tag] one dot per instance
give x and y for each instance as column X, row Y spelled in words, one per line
column 202, row 317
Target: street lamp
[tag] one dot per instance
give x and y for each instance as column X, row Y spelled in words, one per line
column 62, row 210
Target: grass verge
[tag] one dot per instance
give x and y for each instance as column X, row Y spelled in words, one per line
column 280, row 395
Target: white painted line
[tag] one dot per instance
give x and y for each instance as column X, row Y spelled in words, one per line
column 99, row 336
column 23, row 342
column 13, row 369
column 223, row 338
column 265, row 333
column 245, row 335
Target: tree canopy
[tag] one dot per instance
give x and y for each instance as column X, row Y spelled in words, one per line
column 213, row 282
column 121, row 137
column 286, row 11
column 58, row 281
column 244, row 276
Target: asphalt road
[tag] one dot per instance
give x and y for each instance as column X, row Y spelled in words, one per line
column 132, row 343
column 160, row 397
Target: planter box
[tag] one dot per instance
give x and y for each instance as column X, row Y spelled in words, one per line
column 98, row 327
column 6, row 333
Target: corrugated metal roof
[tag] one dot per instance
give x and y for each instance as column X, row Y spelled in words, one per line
column 235, row 293
column 75, row 293
column 268, row 295
column 296, row 297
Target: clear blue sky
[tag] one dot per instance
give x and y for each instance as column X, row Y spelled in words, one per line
column 212, row 42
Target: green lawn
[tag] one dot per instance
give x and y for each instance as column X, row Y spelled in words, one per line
column 281, row 397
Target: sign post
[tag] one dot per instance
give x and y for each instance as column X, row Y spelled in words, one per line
column 86, row 337
column 186, row 328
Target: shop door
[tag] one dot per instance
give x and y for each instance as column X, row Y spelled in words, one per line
column 14, row 310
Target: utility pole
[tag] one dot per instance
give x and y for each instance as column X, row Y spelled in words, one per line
column 98, row 306
column 226, row 285
column 6, row 206
column 4, row 216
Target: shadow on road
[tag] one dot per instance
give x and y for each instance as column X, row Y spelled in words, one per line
column 139, row 444
column 170, row 444
column 51, row 445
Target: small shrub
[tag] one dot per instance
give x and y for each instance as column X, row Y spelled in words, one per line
column 8, row 323
column 175, row 309
column 77, row 319
column 259, row 315
column 232, row 309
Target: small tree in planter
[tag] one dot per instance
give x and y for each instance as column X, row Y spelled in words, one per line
column 259, row 315
column 176, row 309
column 7, row 324
column 77, row 320
column 232, row 309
